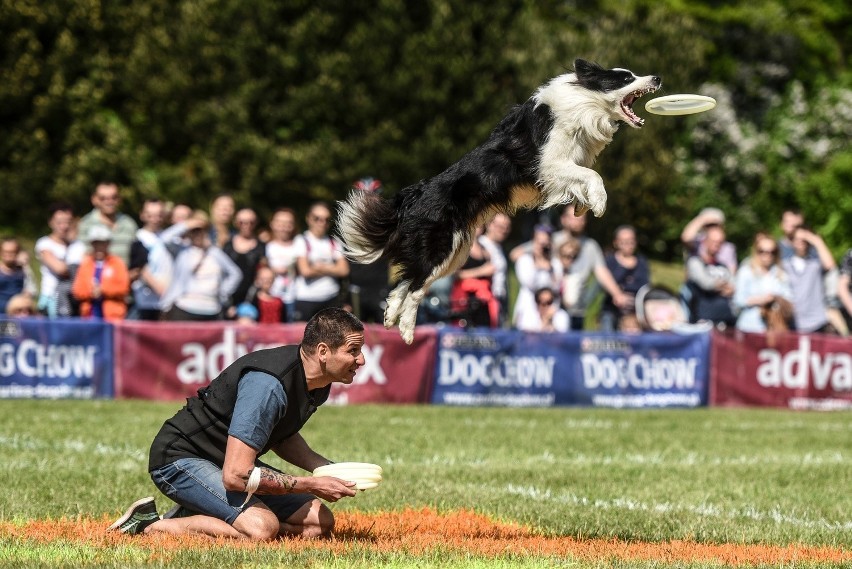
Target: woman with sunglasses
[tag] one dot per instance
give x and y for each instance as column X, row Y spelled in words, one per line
column 761, row 282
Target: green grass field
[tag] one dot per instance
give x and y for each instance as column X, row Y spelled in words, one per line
column 745, row 476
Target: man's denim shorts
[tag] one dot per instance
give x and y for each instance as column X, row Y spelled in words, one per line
column 196, row 484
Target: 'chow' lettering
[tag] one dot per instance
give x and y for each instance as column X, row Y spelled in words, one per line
column 498, row 371
column 638, row 372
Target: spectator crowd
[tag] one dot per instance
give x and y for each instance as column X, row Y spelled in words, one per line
column 185, row 264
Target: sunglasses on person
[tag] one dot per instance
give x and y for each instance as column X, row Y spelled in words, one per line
column 320, row 218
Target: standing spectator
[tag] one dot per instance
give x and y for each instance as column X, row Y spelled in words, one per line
column 569, row 285
column 178, row 213
column 791, row 220
column 51, row 251
column 246, row 251
column 496, row 232
column 471, row 294
column 590, row 262
column 106, row 200
column 630, row 271
column 15, row 278
column 535, row 269
column 221, row 215
column 281, row 256
column 66, row 304
column 204, row 278
column 150, row 260
column 320, row 264
column 102, row 283
column 760, row 283
column 807, row 280
column 710, row 282
column 844, row 289
column 548, row 315
column 695, row 233
column 369, row 283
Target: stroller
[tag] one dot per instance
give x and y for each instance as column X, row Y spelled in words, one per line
column 661, row 310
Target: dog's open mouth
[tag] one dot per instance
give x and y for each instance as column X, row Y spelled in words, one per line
column 627, row 106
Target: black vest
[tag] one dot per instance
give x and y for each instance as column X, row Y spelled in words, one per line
column 200, row 429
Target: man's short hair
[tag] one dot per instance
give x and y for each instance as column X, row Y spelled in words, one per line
column 330, row 326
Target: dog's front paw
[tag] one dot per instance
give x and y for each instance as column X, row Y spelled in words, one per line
column 596, row 198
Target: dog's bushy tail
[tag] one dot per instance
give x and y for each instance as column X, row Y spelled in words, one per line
column 366, row 221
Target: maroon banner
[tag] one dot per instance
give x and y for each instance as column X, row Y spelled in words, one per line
column 807, row 371
column 171, row 361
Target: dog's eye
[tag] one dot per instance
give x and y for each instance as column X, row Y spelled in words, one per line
column 628, row 80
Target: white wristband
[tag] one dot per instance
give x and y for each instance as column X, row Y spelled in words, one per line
column 252, row 484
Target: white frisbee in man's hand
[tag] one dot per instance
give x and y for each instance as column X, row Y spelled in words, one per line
column 363, row 474
column 683, row 104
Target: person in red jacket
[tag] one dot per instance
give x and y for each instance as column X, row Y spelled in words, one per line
column 102, row 282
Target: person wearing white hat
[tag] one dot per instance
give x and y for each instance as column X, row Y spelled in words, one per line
column 102, row 282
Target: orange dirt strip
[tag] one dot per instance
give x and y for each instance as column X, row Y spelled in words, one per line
column 422, row 531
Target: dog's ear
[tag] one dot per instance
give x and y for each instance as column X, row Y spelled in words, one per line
column 583, row 68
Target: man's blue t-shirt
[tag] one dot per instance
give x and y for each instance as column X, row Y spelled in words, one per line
column 261, row 403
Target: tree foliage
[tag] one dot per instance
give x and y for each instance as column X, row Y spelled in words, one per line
column 282, row 103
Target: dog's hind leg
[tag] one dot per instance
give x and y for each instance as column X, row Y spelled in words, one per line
column 394, row 300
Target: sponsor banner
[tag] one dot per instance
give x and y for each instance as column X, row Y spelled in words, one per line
column 172, row 360
column 807, row 371
column 55, row 359
column 520, row 369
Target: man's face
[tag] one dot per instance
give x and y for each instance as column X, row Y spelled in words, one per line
column 790, row 222
column 342, row 364
column 9, row 253
column 153, row 214
column 714, row 240
column 106, row 199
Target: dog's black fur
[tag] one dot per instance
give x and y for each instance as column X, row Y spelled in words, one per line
column 538, row 156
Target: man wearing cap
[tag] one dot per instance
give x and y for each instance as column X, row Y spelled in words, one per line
column 206, row 457
column 102, row 282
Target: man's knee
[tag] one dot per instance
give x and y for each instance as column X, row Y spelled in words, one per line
column 325, row 519
column 314, row 519
column 257, row 524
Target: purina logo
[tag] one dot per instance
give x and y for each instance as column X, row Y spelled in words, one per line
column 10, row 329
column 801, row 368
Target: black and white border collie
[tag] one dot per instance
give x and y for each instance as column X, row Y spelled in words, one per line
column 538, row 156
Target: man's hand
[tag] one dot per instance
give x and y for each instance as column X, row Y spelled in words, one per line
column 328, row 488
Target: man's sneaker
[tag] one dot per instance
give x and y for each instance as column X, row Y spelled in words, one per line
column 138, row 516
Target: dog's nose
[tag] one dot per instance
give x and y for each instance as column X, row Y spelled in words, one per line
column 657, row 80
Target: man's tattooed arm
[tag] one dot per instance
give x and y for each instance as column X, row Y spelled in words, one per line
column 272, row 481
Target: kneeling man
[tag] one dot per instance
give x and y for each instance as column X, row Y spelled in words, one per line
column 205, row 458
